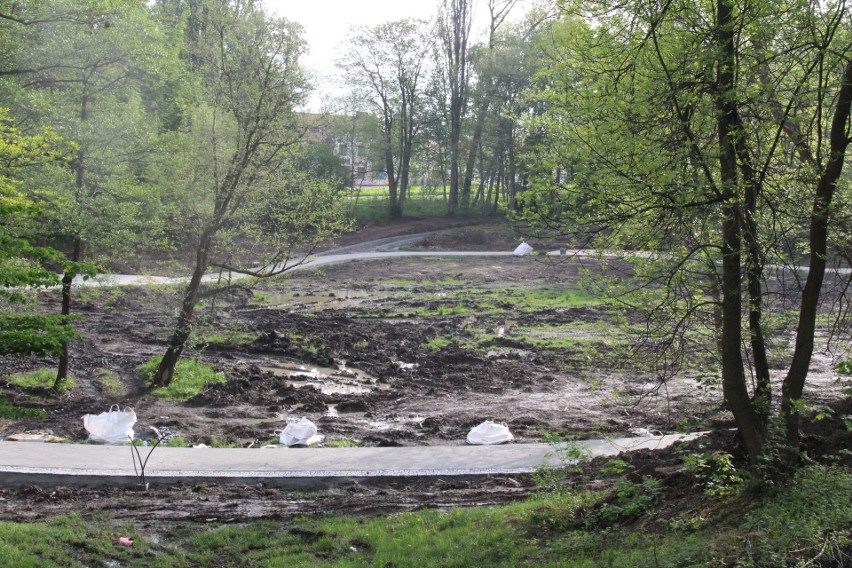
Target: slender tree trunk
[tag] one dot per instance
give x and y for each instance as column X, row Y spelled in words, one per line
column 512, row 185
column 457, row 26
column 183, row 328
column 501, row 182
column 393, row 194
column 763, row 387
column 455, row 148
column 733, row 374
column 794, row 382
column 67, row 279
column 475, row 149
column 79, row 167
column 479, row 198
column 405, row 171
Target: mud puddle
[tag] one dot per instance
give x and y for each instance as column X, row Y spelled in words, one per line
column 342, row 380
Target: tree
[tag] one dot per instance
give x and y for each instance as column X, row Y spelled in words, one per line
column 386, row 65
column 81, row 69
column 239, row 154
column 22, row 265
column 712, row 137
column 454, row 26
column 498, row 11
column 504, row 70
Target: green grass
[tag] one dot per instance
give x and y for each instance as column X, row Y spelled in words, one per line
column 108, row 380
column 221, row 442
column 570, row 335
column 191, row 378
column 805, row 519
column 376, row 210
column 41, row 379
column 67, row 541
column 12, row 412
column 227, row 337
column 179, row 442
column 534, row 299
column 445, row 310
column 438, row 343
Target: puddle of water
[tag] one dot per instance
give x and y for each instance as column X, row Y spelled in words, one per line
column 333, row 412
column 392, row 424
column 343, row 380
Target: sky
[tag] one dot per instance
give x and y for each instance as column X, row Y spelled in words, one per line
column 327, row 24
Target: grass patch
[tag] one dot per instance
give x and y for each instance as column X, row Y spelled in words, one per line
column 378, row 211
column 179, row 442
column 12, row 412
column 227, row 337
column 306, row 342
column 108, row 381
column 445, row 310
column 806, row 521
column 497, row 302
column 534, row 299
column 570, row 335
column 191, row 378
column 437, row 343
column 42, row 379
column 67, row 541
column 221, row 442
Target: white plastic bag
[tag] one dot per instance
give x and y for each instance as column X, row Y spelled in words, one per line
column 303, row 432
column 523, row 249
column 113, row 427
column 489, row 433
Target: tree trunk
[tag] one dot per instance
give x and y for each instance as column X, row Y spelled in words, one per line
column 512, row 186
column 67, row 279
column 475, row 149
column 455, row 137
column 734, row 385
column 405, row 171
column 394, row 209
column 64, row 356
column 794, row 382
column 183, row 327
column 79, row 167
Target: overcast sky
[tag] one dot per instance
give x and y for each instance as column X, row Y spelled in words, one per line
column 328, row 22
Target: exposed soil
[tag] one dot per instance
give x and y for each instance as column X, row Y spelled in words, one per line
column 374, row 352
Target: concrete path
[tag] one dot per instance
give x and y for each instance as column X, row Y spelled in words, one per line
column 85, row 464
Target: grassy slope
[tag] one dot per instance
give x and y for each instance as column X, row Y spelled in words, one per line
column 807, row 519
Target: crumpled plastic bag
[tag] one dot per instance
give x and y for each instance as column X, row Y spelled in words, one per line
column 303, row 432
column 523, row 249
column 489, row 433
column 112, row 427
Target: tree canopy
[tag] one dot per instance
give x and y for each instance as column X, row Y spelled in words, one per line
column 712, row 137
column 24, row 266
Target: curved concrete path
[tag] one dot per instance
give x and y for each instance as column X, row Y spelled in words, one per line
column 23, row 463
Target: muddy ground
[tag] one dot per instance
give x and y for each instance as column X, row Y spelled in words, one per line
column 406, row 351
